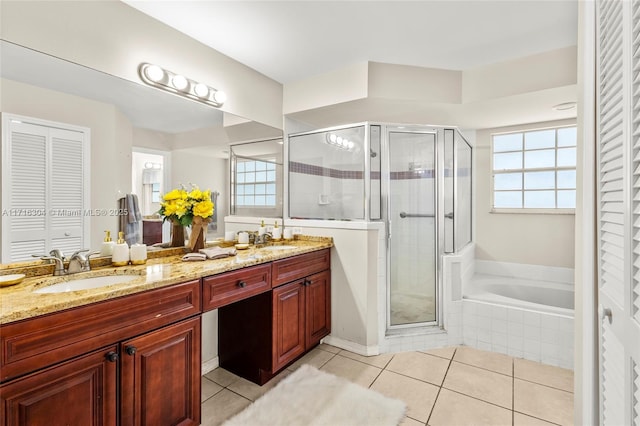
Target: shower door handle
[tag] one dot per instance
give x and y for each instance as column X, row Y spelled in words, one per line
column 404, row 214
column 449, row 215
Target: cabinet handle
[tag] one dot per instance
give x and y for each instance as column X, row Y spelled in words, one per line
column 131, row 350
column 306, row 283
column 112, row 356
column 242, row 284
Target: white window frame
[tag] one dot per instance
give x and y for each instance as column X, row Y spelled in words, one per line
column 525, row 210
column 256, row 182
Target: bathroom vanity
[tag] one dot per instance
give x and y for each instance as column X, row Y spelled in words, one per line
column 135, row 358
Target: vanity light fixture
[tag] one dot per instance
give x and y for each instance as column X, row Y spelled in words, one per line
column 152, row 165
column 178, row 84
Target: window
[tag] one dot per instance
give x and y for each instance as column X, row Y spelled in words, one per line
column 535, row 169
column 155, row 192
column 256, row 183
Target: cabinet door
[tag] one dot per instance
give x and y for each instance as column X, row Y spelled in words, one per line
column 318, row 307
column 288, row 324
column 81, row 391
column 160, row 378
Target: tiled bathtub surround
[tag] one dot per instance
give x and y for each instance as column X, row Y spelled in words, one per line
column 536, row 336
column 518, row 328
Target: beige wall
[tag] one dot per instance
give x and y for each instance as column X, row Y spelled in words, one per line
column 206, row 172
column 112, row 37
column 111, row 141
column 538, row 239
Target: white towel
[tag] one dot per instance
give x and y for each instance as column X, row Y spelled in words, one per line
column 190, row 257
column 218, row 252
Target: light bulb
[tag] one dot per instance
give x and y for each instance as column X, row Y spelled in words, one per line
column 339, row 140
column 179, row 82
column 201, row 90
column 351, row 145
column 154, row 73
column 220, row 97
column 333, row 138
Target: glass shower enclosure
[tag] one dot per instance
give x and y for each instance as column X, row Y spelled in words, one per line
column 415, row 179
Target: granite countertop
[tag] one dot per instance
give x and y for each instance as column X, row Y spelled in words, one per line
column 19, row 302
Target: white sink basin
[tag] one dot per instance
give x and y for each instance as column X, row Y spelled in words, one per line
column 278, row 247
column 87, row 283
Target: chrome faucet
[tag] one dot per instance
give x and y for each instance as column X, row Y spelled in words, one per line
column 78, row 262
column 59, row 269
column 262, row 239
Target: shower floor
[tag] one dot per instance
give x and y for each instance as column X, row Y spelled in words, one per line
column 411, row 308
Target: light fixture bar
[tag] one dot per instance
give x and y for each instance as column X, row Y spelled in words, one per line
column 178, row 84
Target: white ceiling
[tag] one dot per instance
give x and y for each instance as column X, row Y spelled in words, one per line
column 292, row 40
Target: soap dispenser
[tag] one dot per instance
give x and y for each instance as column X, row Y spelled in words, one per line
column 107, row 245
column 120, row 256
column 277, row 232
column 263, row 229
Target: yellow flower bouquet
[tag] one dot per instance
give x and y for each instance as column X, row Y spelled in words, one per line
column 188, row 208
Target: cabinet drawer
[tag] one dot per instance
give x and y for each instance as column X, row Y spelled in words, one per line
column 49, row 339
column 297, row 267
column 223, row 289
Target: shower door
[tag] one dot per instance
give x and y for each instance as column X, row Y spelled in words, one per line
column 412, row 287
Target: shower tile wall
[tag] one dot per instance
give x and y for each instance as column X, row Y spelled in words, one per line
column 329, row 195
column 536, row 336
column 413, row 238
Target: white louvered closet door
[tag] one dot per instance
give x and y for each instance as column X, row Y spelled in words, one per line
column 618, row 92
column 44, row 189
column 25, row 217
column 66, row 187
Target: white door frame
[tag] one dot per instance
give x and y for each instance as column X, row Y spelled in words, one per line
column 586, row 381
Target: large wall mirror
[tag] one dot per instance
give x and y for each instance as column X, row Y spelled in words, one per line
column 143, row 141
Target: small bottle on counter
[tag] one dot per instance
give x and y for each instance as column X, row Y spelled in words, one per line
column 120, row 256
column 277, row 232
column 106, row 249
column 287, row 233
column 138, row 254
column 263, row 229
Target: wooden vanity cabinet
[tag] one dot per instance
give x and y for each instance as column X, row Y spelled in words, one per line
column 81, row 391
column 261, row 335
column 160, row 376
column 301, row 317
column 130, row 360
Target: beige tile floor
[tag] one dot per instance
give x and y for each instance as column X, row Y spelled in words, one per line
column 450, row 386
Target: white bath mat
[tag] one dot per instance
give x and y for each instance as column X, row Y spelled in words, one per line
column 313, row 397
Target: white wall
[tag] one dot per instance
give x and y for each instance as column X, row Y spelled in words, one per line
column 538, row 239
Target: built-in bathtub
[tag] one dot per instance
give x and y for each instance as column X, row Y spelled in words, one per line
column 522, row 317
column 537, row 295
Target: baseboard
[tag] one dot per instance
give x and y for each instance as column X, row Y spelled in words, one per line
column 210, row 365
column 351, row 346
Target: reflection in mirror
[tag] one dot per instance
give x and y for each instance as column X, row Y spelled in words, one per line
column 326, row 174
column 257, row 178
column 124, row 116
